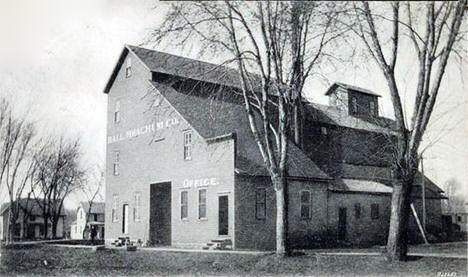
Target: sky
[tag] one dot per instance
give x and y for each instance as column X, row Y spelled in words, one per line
column 57, row 55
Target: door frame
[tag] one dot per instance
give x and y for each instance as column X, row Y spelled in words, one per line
column 125, row 218
column 227, row 218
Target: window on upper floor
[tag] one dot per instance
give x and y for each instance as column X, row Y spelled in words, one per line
column 306, row 204
column 188, row 145
column 354, row 105
column 372, row 107
column 375, row 211
column 128, row 68
column 260, row 203
column 324, row 130
column 117, row 112
column 116, row 163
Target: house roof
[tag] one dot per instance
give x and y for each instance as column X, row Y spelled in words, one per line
column 31, row 206
column 214, row 117
column 96, row 207
column 350, row 87
column 165, row 63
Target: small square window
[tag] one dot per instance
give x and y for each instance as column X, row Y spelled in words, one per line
column 324, row 130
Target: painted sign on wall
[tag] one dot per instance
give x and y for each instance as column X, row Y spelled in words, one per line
column 150, row 128
column 203, row 182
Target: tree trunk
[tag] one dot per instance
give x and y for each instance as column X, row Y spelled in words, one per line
column 45, row 228
column 10, row 226
column 54, row 228
column 397, row 244
column 298, row 124
column 282, row 240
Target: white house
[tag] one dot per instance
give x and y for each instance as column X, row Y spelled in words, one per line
column 95, row 220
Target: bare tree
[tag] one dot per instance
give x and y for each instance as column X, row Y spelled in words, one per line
column 93, row 192
column 434, row 39
column 275, row 47
column 16, row 135
column 58, row 174
column 456, row 200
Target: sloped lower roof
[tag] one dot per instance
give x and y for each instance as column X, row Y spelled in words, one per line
column 382, row 175
column 212, row 117
column 334, row 116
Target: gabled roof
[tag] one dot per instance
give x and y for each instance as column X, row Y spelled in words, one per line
column 213, row 117
column 96, row 207
column 165, row 63
column 30, row 206
column 350, row 87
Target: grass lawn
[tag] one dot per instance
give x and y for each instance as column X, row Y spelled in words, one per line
column 83, row 262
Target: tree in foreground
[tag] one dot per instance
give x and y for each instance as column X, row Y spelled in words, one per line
column 433, row 29
column 16, row 165
column 275, row 47
column 58, row 174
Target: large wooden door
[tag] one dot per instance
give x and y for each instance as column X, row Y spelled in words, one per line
column 160, row 217
column 223, row 215
column 342, row 224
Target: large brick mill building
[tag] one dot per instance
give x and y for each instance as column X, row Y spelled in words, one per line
column 183, row 168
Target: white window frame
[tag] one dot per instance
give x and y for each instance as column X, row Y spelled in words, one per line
column 115, row 206
column 188, row 145
column 136, row 206
column 116, row 164
column 309, row 204
column 200, row 204
column 182, row 205
column 117, row 111
column 128, row 68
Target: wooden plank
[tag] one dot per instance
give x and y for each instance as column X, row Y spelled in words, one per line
column 419, row 223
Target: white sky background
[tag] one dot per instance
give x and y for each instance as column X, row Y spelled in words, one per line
column 56, row 56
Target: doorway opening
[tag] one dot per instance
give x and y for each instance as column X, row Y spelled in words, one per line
column 342, row 224
column 160, row 214
column 223, row 215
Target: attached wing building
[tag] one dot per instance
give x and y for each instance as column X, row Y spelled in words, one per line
column 183, row 168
